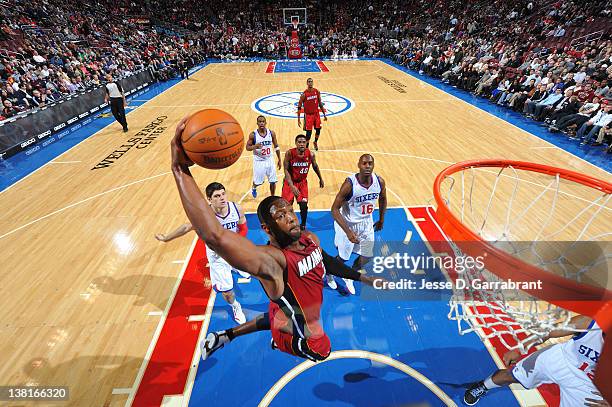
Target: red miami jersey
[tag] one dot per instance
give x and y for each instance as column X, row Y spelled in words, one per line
column 312, row 97
column 303, row 294
column 299, row 166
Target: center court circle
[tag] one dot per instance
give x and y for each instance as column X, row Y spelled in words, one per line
column 284, row 105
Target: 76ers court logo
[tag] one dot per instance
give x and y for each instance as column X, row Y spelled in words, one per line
column 284, row 105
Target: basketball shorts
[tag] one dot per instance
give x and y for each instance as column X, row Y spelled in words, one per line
column 220, row 272
column 315, row 348
column 264, row 169
column 364, row 231
column 548, row 365
column 312, row 121
column 302, row 188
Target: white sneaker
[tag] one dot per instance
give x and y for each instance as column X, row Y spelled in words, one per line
column 331, row 282
column 350, row 286
column 243, row 274
column 212, row 343
column 238, row 314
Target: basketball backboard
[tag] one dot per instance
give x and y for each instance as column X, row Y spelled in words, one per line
column 292, row 14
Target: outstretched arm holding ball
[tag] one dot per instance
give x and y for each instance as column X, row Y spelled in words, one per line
column 237, row 250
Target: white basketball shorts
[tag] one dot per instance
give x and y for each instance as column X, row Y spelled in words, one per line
column 548, row 365
column 364, row 231
column 262, row 170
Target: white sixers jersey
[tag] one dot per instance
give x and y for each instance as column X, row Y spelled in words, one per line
column 265, row 152
column 229, row 221
column 360, row 205
column 583, row 350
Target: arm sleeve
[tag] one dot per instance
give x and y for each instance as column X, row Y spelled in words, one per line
column 339, row 269
column 243, row 229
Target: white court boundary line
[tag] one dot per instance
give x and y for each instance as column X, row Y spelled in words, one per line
column 491, row 114
column 197, row 354
column 160, row 325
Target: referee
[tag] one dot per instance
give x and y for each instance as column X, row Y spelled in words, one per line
column 114, row 91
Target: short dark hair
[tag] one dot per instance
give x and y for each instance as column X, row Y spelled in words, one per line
column 263, row 210
column 262, row 116
column 212, row 188
column 301, row 136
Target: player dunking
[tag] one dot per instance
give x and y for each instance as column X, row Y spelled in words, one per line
column 571, row 365
column 290, row 268
column 352, row 211
column 230, row 217
column 311, row 101
column 296, row 164
column 261, row 142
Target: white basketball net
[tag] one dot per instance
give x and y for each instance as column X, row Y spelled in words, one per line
column 525, row 224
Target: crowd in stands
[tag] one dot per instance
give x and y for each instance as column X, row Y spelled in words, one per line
column 525, row 55
column 52, row 49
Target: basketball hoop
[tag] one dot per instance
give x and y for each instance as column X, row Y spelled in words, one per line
column 295, row 22
column 557, row 212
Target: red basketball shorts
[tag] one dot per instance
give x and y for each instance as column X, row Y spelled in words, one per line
column 315, row 348
column 301, row 186
column 312, row 120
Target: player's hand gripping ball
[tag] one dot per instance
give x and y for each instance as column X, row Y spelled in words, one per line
column 213, row 139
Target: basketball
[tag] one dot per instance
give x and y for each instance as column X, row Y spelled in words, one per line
column 213, row 139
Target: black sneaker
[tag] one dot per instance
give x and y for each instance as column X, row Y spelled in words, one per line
column 212, row 343
column 474, row 393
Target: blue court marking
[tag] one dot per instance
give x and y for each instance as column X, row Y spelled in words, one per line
column 296, row 66
column 25, row 162
column 594, row 155
column 416, row 333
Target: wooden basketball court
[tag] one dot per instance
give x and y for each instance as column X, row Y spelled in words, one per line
column 84, row 283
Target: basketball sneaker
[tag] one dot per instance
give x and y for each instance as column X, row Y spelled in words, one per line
column 254, row 192
column 316, row 146
column 243, row 274
column 350, row 286
column 212, row 343
column 331, row 282
column 238, row 314
column 474, row 393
